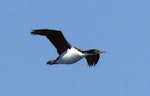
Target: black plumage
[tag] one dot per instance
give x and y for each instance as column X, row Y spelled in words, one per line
column 56, row 38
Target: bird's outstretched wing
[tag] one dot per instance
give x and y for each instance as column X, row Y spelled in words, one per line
column 92, row 59
column 56, row 38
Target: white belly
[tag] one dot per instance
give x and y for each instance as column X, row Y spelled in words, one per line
column 71, row 56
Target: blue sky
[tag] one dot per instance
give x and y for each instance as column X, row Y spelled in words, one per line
column 120, row 27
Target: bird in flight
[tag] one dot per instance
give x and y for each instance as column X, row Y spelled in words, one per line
column 68, row 54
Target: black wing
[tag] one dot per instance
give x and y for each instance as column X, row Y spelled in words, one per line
column 92, row 59
column 56, row 37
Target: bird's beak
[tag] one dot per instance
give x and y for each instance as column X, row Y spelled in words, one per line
column 102, row 51
column 99, row 51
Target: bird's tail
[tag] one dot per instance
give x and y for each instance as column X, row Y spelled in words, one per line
column 52, row 62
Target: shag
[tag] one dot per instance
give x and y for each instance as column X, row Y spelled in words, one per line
column 68, row 54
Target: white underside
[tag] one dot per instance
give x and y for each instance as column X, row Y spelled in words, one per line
column 71, row 56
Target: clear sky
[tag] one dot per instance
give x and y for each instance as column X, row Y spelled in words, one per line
column 120, row 27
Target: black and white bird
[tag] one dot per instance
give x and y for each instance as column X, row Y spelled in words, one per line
column 67, row 53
